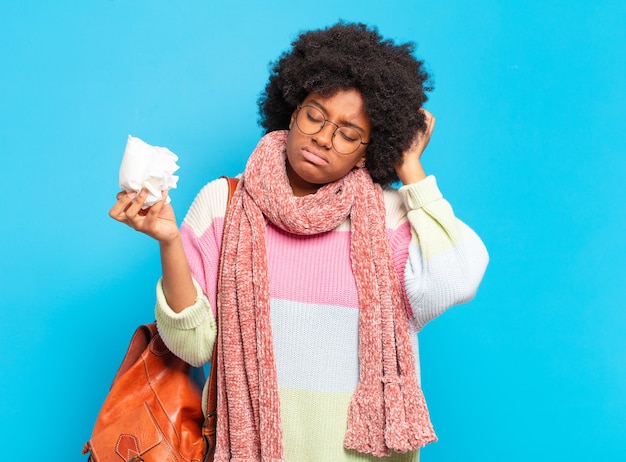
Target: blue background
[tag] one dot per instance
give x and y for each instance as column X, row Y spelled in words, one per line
column 529, row 148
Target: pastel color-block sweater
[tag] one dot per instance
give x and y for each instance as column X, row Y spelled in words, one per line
column 314, row 304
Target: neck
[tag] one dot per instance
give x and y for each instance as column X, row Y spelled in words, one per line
column 300, row 187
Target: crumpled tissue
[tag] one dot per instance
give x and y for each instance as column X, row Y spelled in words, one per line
column 150, row 167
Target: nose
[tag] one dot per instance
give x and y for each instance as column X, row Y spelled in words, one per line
column 325, row 136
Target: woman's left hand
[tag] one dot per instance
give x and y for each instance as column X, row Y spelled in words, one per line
column 411, row 170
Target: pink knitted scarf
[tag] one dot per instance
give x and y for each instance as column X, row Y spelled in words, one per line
column 387, row 411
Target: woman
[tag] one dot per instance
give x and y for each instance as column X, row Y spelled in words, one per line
column 326, row 270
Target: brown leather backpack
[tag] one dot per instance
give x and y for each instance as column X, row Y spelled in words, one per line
column 153, row 412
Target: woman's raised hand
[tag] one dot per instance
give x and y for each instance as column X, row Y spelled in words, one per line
column 158, row 221
column 411, row 170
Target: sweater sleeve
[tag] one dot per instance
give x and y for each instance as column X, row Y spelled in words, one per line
column 447, row 259
column 190, row 334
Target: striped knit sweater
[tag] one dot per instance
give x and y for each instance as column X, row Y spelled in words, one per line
column 314, row 304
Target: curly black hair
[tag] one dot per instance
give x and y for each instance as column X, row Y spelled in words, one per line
column 391, row 80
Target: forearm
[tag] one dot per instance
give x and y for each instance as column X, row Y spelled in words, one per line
column 448, row 278
column 190, row 334
column 446, row 258
column 178, row 286
column 411, row 171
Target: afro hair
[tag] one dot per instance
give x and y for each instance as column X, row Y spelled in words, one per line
column 391, row 80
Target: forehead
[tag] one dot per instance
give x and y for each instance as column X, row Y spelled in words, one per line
column 341, row 106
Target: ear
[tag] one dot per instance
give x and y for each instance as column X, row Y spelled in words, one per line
column 361, row 162
column 293, row 118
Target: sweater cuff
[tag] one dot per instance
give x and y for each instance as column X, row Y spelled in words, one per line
column 190, row 317
column 420, row 194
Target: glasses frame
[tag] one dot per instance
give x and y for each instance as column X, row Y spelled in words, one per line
column 337, row 127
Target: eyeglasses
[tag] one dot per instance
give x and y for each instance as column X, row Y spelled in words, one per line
column 310, row 120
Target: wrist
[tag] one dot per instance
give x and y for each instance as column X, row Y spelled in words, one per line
column 171, row 242
column 411, row 171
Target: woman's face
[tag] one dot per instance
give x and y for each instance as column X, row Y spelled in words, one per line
column 312, row 160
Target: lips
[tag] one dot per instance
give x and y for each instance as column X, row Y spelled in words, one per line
column 314, row 157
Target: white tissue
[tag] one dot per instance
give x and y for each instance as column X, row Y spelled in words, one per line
column 150, row 167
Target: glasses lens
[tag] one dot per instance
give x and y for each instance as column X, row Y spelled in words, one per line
column 346, row 140
column 310, row 120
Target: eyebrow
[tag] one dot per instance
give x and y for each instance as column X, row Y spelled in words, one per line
column 343, row 123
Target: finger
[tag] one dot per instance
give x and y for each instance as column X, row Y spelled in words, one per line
column 152, row 214
column 430, row 128
column 124, row 199
column 427, row 113
column 431, row 123
column 136, row 207
column 163, row 200
column 429, row 120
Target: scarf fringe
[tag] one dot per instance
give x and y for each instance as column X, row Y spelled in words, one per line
column 415, row 430
column 366, row 425
column 406, row 425
column 396, row 426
